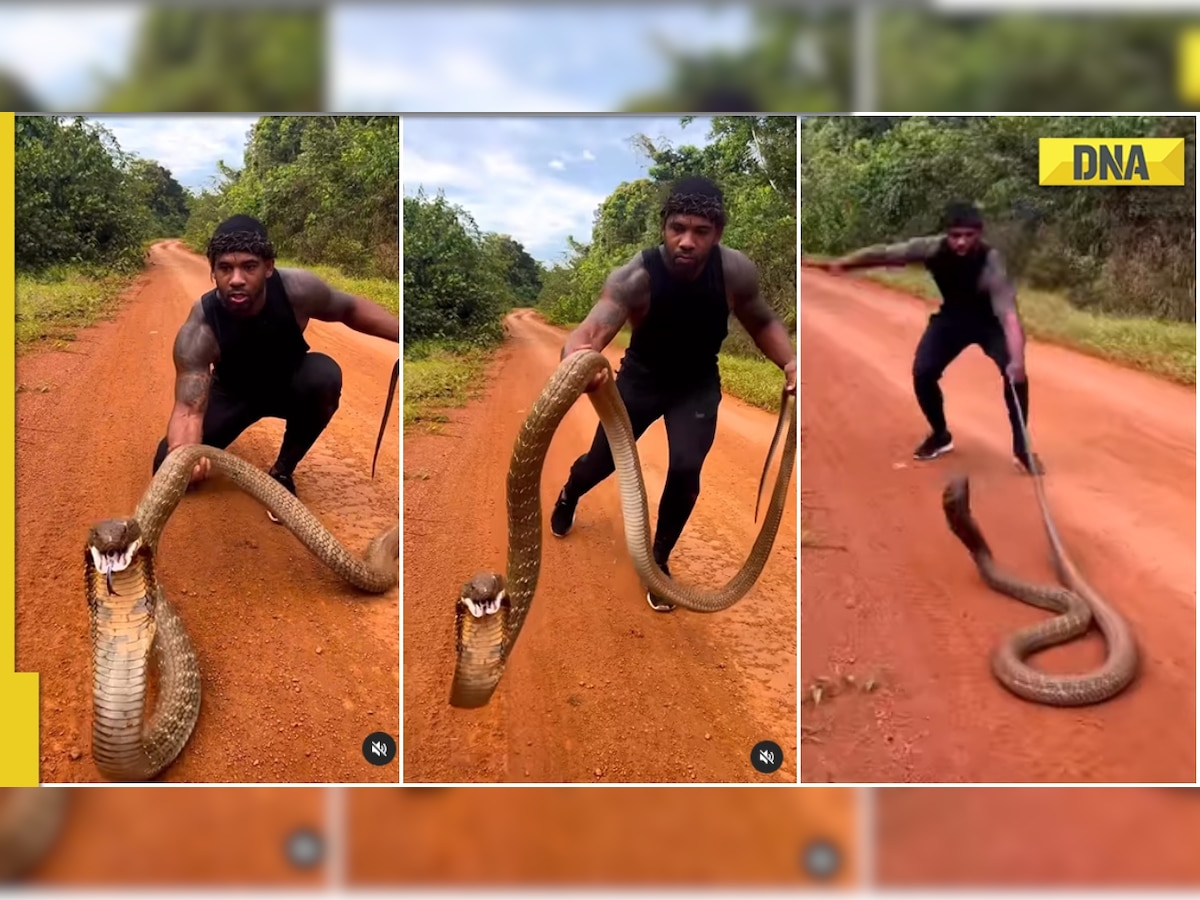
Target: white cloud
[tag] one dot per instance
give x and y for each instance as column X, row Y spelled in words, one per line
column 189, row 146
column 506, row 196
column 457, row 80
column 557, row 164
column 57, row 52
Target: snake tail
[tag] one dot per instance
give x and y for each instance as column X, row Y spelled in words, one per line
column 1077, row 606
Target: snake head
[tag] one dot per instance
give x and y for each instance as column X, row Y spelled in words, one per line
column 484, row 594
column 111, row 546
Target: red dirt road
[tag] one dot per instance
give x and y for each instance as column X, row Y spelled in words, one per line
column 298, row 667
column 599, row 687
column 890, row 593
column 1047, row 838
column 559, row 837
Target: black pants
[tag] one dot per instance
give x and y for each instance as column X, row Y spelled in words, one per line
column 306, row 402
column 944, row 339
column 690, row 415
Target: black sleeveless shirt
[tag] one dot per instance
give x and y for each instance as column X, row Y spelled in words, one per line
column 957, row 278
column 259, row 354
column 687, row 322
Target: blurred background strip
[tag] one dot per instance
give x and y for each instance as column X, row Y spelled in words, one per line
column 620, row 57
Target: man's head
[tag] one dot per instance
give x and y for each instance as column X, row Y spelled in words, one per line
column 242, row 259
column 693, row 219
column 964, row 226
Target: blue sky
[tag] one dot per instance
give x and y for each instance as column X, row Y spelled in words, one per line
column 536, row 178
column 188, row 145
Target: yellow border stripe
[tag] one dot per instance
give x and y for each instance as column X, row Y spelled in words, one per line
column 18, row 692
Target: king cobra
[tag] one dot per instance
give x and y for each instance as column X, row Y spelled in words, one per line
column 131, row 618
column 492, row 608
column 1077, row 605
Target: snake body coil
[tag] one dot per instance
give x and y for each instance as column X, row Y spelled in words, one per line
column 131, row 618
column 492, row 609
column 1077, row 605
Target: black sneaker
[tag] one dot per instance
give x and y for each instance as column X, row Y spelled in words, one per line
column 1028, row 463
column 658, row 604
column 934, row 446
column 562, row 519
column 287, row 482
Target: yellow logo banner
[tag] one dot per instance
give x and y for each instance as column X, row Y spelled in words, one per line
column 18, row 691
column 1111, row 162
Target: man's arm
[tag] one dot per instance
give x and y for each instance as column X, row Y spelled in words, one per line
column 996, row 281
column 316, row 299
column 626, row 293
column 759, row 320
column 915, row 250
column 194, row 353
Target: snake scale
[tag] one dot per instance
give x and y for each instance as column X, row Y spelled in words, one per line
column 492, row 608
column 1076, row 603
column 133, row 624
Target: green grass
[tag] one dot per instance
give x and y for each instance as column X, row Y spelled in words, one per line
column 55, row 306
column 440, row 376
column 1166, row 349
column 381, row 290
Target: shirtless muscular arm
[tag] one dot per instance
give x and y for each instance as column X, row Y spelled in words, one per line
column 756, row 316
column 313, row 298
column 625, row 297
column 194, row 353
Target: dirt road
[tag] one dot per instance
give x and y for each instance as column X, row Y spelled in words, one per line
column 298, row 667
column 1045, row 839
column 599, row 688
column 889, row 592
column 559, row 837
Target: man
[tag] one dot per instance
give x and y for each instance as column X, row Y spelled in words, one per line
column 677, row 297
column 241, row 355
column 979, row 306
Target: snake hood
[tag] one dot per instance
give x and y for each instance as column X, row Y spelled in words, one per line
column 112, row 546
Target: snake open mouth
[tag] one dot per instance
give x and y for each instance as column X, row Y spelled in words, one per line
column 487, row 607
column 114, row 561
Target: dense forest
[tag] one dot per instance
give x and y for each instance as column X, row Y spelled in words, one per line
column 83, row 202
column 327, row 188
column 1116, row 250
column 459, row 281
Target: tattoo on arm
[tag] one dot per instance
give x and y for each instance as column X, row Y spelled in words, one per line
column 626, row 293
column 996, row 281
column 915, row 250
column 194, row 352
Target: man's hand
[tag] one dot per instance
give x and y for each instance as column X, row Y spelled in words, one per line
column 199, row 471
column 598, row 378
column 789, row 373
column 1015, row 371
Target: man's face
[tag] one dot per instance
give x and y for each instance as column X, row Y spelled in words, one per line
column 962, row 240
column 689, row 240
column 242, row 282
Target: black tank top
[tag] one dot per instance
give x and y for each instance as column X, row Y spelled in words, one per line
column 687, row 322
column 957, row 277
column 258, row 354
